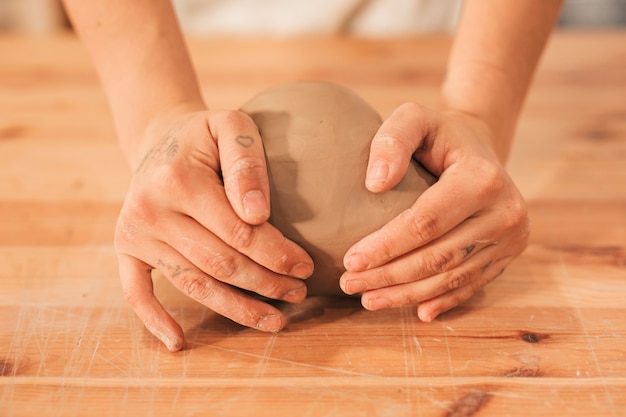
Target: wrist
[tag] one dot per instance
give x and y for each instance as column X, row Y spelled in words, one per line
column 484, row 93
column 479, row 129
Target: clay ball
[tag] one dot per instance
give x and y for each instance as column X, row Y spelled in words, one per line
column 317, row 138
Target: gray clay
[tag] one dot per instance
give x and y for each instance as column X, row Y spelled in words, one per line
column 316, row 138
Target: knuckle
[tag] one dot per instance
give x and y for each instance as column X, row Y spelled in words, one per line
column 168, row 179
column 139, row 209
column 131, row 297
column 437, row 262
column 125, row 233
column 516, row 217
column 476, row 285
column 244, row 170
column 247, row 167
column 136, row 214
column 242, row 235
column 524, row 236
column 388, row 140
column 411, row 107
column 493, row 174
column 220, row 266
column 271, row 289
column 235, row 118
column 455, row 300
column 457, row 280
column 385, row 278
column 492, row 180
column 196, row 286
column 520, row 214
column 424, row 227
column 411, row 297
column 385, row 248
column 525, row 228
column 278, row 262
column 392, row 142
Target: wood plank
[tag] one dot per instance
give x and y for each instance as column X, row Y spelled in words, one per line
column 402, row 397
column 546, row 338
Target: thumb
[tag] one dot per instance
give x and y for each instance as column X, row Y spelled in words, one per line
column 395, row 142
column 243, row 164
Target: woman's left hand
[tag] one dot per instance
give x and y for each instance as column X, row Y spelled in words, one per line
column 459, row 235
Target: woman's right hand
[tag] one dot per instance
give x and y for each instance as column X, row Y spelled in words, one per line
column 197, row 210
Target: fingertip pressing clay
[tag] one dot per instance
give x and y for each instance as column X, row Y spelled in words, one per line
column 317, row 138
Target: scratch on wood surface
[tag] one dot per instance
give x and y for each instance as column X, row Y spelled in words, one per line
column 417, row 344
column 286, row 361
column 469, row 405
column 449, row 354
column 117, row 355
column 592, row 351
column 266, row 356
column 409, row 357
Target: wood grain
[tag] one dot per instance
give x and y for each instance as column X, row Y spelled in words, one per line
column 547, row 338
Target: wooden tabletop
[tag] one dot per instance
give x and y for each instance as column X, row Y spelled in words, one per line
column 546, row 338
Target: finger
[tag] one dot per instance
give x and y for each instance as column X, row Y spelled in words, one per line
column 220, row 297
column 444, row 205
column 262, row 243
column 470, row 274
column 434, row 258
column 409, row 127
column 218, row 260
column 428, row 310
column 242, row 160
column 136, row 281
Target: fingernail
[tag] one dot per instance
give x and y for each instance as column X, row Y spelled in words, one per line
column 255, row 205
column 378, row 304
column 172, row 343
column 270, row 323
column 355, row 262
column 295, row 296
column 426, row 317
column 354, row 286
column 377, row 174
column 301, row 270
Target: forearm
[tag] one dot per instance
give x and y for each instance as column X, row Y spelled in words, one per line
column 141, row 59
column 494, row 55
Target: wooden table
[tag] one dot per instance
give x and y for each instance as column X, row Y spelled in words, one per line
column 547, row 338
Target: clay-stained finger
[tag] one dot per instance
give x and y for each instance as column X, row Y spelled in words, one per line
column 263, row 243
column 470, row 274
column 212, row 256
column 434, row 258
column 222, row 298
column 136, row 280
column 428, row 310
column 443, row 206
column 243, row 165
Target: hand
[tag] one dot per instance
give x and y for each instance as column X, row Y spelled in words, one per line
column 196, row 210
column 459, row 235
